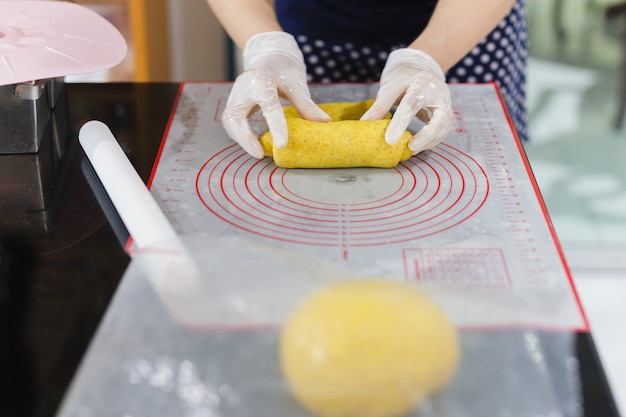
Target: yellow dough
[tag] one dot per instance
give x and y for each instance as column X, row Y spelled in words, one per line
column 367, row 348
column 346, row 142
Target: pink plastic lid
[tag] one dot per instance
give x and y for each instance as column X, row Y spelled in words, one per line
column 47, row 39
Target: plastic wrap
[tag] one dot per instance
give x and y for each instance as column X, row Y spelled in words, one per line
column 171, row 347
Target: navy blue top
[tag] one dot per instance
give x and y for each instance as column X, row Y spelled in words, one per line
column 362, row 22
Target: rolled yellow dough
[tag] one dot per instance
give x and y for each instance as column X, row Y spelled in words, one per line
column 346, row 142
column 367, row 348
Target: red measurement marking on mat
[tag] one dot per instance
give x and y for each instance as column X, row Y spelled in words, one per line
column 505, row 186
column 458, row 266
column 425, row 197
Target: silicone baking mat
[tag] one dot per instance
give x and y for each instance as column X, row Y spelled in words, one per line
column 464, row 221
column 467, row 213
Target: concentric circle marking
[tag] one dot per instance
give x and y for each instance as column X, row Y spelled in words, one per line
column 428, row 194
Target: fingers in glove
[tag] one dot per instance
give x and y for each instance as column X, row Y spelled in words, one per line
column 387, row 96
column 294, row 87
column 252, row 89
column 309, row 110
column 266, row 96
column 236, row 125
column 410, row 104
column 275, row 117
column 426, row 95
column 437, row 129
column 235, row 117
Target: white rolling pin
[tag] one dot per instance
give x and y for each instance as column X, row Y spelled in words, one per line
column 159, row 250
column 140, row 213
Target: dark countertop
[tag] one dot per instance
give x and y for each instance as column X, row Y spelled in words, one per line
column 61, row 260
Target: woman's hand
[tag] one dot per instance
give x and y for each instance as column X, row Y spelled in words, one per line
column 273, row 66
column 415, row 80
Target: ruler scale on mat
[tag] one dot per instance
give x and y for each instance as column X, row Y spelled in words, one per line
column 467, row 213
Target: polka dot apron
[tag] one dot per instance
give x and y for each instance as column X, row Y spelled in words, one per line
column 500, row 57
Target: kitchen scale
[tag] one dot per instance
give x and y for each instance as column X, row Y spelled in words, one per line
column 464, row 222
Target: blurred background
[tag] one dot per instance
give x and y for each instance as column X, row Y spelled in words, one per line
column 168, row 40
column 576, row 96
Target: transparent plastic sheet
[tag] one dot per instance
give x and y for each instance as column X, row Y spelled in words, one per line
column 205, row 347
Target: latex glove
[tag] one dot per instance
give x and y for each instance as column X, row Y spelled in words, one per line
column 273, row 65
column 416, row 79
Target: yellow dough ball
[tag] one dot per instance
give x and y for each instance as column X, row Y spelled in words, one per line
column 346, row 142
column 367, row 348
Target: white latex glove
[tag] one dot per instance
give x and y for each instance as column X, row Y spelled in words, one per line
column 415, row 79
column 273, row 65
